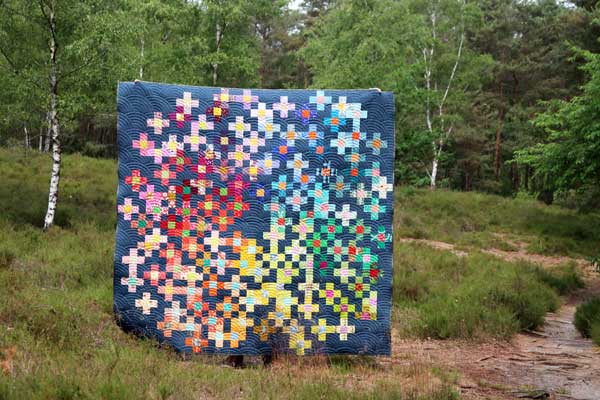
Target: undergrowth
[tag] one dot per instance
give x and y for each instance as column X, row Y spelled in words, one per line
column 443, row 295
column 488, row 221
column 587, row 319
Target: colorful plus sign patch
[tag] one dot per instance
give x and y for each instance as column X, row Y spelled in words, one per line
column 255, row 221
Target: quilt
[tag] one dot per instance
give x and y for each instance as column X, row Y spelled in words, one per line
column 255, row 221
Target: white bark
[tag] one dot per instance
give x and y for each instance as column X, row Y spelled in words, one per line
column 432, row 86
column 27, row 144
column 48, row 138
column 141, row 58
column 54, row 178
column 41, row 140
column 54, row 124
column 433, row 175
column 218, row 38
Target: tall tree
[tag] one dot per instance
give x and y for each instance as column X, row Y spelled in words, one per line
column 571, row 156
column 280, row 31
column 234, row 48
column 416, row 49
column 73, row 35
column 362, row 44
column 446, row 26
column 367, row 44
column 528, row 42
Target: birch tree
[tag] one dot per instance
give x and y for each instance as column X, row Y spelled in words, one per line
column 48, row 10
column 234, row 48
column 64, row 39
column 446, row 26
column 163, row 31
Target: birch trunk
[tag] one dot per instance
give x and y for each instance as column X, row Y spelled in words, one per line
column 48, row 138
column 218, row 37
column 142, row 59
column 27, row 145
column 434, row 170
column 431, row 86
column 41, row 140
column 54, row 125
column 437, row 154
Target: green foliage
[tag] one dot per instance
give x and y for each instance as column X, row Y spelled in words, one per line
column 564, row 278
column 528, row 42
column 571, row 157
column 360, row 44
column 587, row 319
column 365, row 44
column 368, row 44
column 85, row 34
column 515, row 54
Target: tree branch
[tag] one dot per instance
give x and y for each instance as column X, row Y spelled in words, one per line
column 49, row 21
column 78, row 68
column 458, row 56
column 10, row 62
column 12, row 68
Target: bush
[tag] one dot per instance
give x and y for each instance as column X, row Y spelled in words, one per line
column 448, row 317
column 528, row 300
column 595, row 333
column 564, row 278
column 475, row 296
column 485, row 307
column 587, row 319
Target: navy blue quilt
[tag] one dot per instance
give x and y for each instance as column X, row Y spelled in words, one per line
column 255, row 221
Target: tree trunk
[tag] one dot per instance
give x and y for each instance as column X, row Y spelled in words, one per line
column 434, row 170
column 498, row 143
column 444, row 134
column 48, row 138
column 54, row 125
column 141, row 58
column 41, row 140
column 218, row 47
column 27, row 145
column 468, row 181
column 516, row 177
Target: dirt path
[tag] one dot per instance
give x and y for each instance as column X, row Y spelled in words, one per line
column 520, row 254
column 561, row 360
column 554, row 362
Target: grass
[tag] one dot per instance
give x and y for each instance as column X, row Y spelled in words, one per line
column 484, row 221
column 440, row 295
column 58, row 338
column 587, row 319
column 564, row 278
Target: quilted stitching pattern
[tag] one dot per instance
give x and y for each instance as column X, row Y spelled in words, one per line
column 253, row 221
